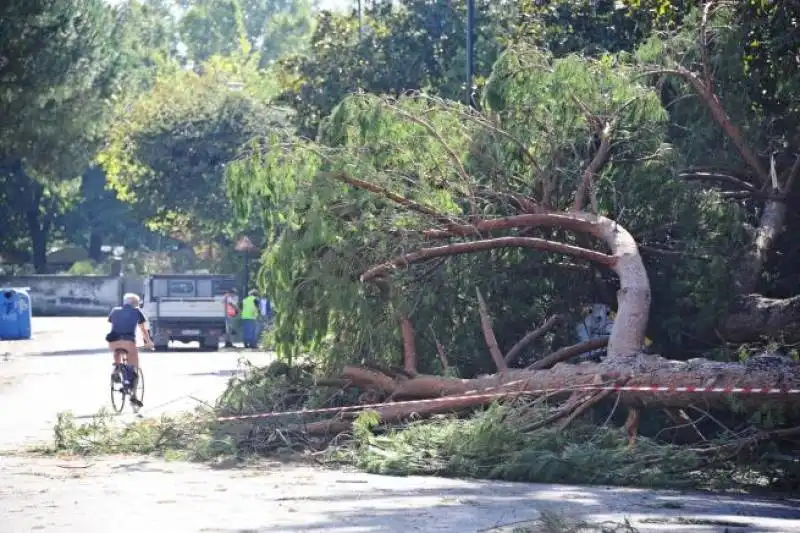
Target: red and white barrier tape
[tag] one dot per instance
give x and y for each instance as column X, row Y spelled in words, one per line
column 614, row 388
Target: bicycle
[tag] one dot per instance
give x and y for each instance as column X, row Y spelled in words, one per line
column 121, row 379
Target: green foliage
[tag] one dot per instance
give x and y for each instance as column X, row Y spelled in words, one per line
column 590, row 27
column 500, row 442
column 61, row 64
column 402, row 46
column 441, row 154
column 267, row 28
column 494, row 444
column 183, row 437
column 168, row 153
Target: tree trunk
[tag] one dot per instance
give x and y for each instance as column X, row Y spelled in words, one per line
column 770, row 226
column 95, row 245
column 754, row 317
column 409, row 346
column 39, row 232
column 642, row 370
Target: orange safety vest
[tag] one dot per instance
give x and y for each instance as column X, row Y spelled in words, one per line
column 230, row 310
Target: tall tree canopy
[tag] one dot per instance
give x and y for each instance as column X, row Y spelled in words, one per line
column 60, row 66
column 168, row 153
column 266, row 28
column 547, row 117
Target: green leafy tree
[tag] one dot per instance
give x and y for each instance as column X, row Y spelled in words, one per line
column 59, row 69
column 383, row 171
column 168, row 153
column 734, row 116
column 415, row 45
column 268, row 28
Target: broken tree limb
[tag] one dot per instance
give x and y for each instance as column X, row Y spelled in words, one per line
column 516, row 350
column 488, row 334
column 535, row 243
column 641, row 370
column 569, row 352
column 627, row 335
column 409, row 346
column 721, row 117
column 632, row 424
column 593, row 400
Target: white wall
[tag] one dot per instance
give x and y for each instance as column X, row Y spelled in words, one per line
column 73, row 295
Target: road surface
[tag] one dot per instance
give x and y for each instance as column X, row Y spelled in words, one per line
column 65, row 367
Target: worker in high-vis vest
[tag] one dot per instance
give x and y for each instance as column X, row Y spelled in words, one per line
column 249, row 317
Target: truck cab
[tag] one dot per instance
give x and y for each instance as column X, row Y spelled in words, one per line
column 186, row 308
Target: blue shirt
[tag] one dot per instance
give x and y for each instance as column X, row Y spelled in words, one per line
column 124, row 321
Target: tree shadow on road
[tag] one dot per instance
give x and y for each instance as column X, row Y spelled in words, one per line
column 488, row 507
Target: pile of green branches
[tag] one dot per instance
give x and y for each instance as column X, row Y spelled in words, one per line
column 504, row 441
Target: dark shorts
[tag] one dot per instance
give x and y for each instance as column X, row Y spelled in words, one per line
column 114, row 336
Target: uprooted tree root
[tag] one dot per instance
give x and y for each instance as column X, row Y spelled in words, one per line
column 511, row 440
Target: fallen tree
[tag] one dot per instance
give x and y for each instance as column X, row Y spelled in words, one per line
column 555, row 205
column 625, row 363
column 689, row 382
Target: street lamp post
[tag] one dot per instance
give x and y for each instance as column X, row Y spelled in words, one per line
column 470, row 48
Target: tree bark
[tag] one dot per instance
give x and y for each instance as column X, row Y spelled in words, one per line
column 755, row 316
column 95, row 245
column 409, row 346
column 568, row 352
column 642, row 370
column 770, row 226
column 488, row 334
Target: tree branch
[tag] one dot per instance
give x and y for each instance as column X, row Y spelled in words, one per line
column 409, row 346
column 483, row 245
column 438, row 136
column 791, row 176
column 394, row 197
column 595, row 165
column 568, row 352
column 516, row 350
column 716, row 176
column 721, row 117
column 488, row 333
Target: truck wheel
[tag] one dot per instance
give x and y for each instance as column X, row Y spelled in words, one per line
column 161, row 347
column 209, row 343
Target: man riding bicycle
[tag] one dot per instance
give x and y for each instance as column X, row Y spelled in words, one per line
column 124, row 321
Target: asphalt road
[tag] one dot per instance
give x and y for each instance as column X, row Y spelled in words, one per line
column 66, row 367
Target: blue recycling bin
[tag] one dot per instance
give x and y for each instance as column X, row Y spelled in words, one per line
column 15, row 314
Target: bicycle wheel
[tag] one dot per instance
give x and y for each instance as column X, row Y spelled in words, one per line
column 140, row 385
column 118, row 392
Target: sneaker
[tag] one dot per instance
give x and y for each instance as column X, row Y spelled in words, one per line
column 136, row 403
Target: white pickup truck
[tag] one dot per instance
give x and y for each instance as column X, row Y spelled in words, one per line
column 186, row 308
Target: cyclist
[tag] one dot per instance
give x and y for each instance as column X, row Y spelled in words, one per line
column 124, row 321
